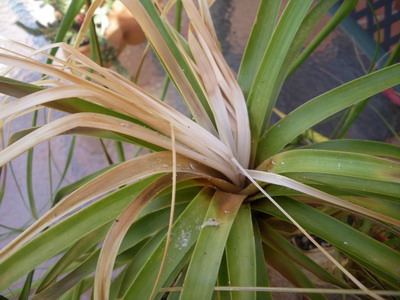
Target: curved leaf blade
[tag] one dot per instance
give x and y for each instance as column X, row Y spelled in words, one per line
column 356, row 185
column 184, row 235
column 323, row 106
column 340, row 14
column 146, row 227
column 257, row 43
column 372, row 148
column 283, row 246
column 360, row 247
column 173, row 59
column 290, row 271
column 261, row 266
column 241, row 254
column 260, row 102
column 65, row 233
column 335, row 163
column 73, row 253
column 203, row 268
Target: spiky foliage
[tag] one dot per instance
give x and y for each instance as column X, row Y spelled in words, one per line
column 221, row 227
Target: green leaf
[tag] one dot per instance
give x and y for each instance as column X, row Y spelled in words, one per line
column 67, row 232
column 167, row 40
column 385, row 205
column 223, row 280
column 305, row 30
column 20, row 134
column 183, row 236
column 66, row 23
column 110, row 135
column 260, row 102
column 139, row 261
column 261, row 266
column 2, row 190
column 204, row 264
column 78, row 291
column 315, row 15
column 148, row 225
column 294, row 254
column 67, row 162
column 290, row 271
column 91, row 132
column 26, row 290
column 335, row 163
column 323, row 106
column 77, row 184
column 73, row 253
column 3, row 175
column 185, row 192
column 394, row 55
column 73, row 278
column 378, row 204
column 18, row 89
column 29, row 176
column 358, row 246
column 241, row 255
column 179, row 282
column 358, row 173
column 178, row 273
column 372, row 148
column 145, row 227
column 96, row 56
column 307, row 27
column 116, row 285
column 95, row 51
column 257, row 43
column 353, row 184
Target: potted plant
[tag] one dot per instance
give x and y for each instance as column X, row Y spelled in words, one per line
column 221, row 193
